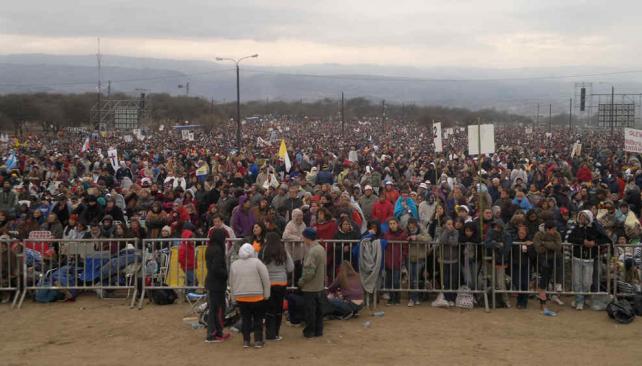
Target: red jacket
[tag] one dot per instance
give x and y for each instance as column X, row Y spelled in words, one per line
column 584, row 174
column 327, row 230
column 382, row 211
column 392, row 195
column 396, row 253
column 186, row 252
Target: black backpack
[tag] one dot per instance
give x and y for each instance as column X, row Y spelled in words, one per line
column 621, row 311
column 636, row 302
column 163, row 296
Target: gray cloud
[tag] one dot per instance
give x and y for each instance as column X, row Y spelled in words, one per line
column 455, row 25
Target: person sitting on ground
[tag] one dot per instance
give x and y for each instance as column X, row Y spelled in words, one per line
column 346, row 292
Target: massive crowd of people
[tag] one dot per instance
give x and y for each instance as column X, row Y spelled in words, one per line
column 370, row 181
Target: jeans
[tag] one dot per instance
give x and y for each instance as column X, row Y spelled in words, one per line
column 313, row 314
column 416, row 270
column 471, row 274
column 451, row 280
column 582, row 277
column 393, row 281
column 520, row 270
column 190, row 279
column 343, row 307
column 216, row 316
column 252, row 314
column 274, row 313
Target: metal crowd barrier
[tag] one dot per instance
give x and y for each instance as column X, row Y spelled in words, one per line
column 416, row 267
column 10, row 269
column 626, row 266
column 71, row 265
column 573, row 270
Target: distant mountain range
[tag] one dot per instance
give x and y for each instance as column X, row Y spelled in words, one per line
column 514, row 90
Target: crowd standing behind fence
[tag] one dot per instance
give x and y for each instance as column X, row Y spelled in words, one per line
column 442, row 222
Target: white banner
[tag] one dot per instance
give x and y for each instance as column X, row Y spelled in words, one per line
column 128, row 138
column 633, row 140
column 112, row 154
column 436, row 135
column 487, row 139
column 577, row 149
column 190, row 136
column 529, row 130
column 450, row 131
column 185, row 134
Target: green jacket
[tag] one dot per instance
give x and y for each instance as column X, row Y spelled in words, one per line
column 313, row 277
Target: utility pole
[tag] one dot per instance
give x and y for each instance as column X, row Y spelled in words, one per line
column 612, row 109
column 212, row 106
column 550, row 118
column 343, row 121
column 383, row 113
column 187, row 89
column 403, row 112
column 570, row 115
column 109, row 88
column 238, row 109
column 99, row 90
column 537, row 120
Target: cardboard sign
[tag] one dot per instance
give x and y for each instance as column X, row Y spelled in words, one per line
column 487, row 133
column 633, row 140
column 436, row 135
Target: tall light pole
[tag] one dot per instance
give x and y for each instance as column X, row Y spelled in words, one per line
column 238, row 95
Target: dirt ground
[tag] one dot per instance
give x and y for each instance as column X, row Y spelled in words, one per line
column 107, row 332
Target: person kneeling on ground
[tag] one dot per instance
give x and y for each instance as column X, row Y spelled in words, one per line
column 250, row 284
column 346, row 292
column 311, row 283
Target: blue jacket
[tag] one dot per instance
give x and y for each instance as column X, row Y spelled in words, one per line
column 524, row 204
column 400, row 211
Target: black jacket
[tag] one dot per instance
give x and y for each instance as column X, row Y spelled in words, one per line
column 216, row 280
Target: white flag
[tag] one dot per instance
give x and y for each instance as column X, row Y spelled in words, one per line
column 85, row 146
column 436, row 135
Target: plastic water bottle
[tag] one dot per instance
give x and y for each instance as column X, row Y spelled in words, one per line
column 378, row 314
column 197, row 326
column 367, row 324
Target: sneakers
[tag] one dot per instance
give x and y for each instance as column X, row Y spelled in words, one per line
column 451, row 304
column 440, row 303
column 556, row 299
column 417, row 302
column 259, row 345
column 246, row 344
column 218, row 339
column 579, row 306
column 278, row 338
column 386, row 296
column 411, row 303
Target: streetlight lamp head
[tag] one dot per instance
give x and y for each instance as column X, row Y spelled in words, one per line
column 219, row 59
column 255, row 55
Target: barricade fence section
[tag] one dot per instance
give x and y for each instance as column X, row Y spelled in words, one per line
column 418, row 267
column 53, row 268
column 175, row 264
column 11, row 252
column 550, row 271
column 626, row 266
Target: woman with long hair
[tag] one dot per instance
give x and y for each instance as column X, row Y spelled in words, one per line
column 346, row 292
column 279, row 263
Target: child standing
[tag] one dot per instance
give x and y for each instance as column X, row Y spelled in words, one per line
column 279, row 263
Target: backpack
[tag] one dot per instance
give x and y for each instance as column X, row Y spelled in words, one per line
column 465, row 299
column 163, row 296
column 621, row 311
column 636, row 302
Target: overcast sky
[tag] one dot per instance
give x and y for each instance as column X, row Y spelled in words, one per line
column 480, row 33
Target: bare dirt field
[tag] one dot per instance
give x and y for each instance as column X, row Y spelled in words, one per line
column 107, row 332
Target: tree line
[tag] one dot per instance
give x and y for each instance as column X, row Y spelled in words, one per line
column 54, row 111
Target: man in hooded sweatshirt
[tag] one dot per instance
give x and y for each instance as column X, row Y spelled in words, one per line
column 585, row 237
column 216, row 284
column 250, row 282
column 186, row 257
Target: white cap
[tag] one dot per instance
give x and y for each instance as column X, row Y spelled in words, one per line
column 423, row 185
column 464, row 207
column 388, row 182
column 427, row 182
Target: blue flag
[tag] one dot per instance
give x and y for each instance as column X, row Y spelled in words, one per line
column 11, row 161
